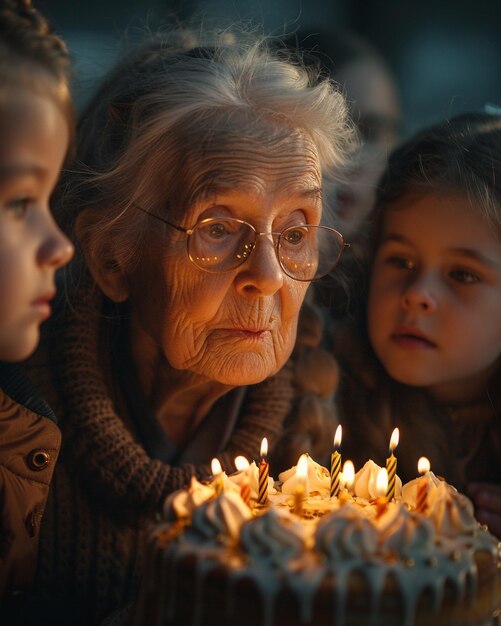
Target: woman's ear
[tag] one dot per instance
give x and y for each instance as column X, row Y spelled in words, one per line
column 105, row 269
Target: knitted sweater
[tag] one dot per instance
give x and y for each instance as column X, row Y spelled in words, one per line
column 106, row 489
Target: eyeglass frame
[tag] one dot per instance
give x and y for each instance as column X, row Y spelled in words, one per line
column 189, row 232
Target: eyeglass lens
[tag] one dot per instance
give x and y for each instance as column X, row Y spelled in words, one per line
column 305, row 252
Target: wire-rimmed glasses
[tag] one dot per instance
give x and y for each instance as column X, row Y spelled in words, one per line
column 305, row 252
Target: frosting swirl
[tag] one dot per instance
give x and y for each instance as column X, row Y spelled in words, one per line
column 405, row 534
column 345, row 534
column 317, row 478
column 450, row 511
column 220, row 519
column 181, row 504
column 364, row 485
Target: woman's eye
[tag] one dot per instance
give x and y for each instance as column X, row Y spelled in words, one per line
column 464, row 276
column 216, row 230
column 294, row 236
column 19, row 206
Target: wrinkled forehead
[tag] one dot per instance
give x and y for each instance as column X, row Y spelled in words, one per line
column 255, row 160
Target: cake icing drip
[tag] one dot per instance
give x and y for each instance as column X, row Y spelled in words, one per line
column 220, row 519
column 346, row 534
column 181, row 504
column 406, row 535
column 273, row 538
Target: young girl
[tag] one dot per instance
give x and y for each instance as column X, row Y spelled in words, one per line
column 36, row 123
column 426, row 354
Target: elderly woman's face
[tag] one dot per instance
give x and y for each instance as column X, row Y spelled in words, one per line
column 237, row 327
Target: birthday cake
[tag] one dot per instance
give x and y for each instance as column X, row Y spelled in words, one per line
column 304, row 559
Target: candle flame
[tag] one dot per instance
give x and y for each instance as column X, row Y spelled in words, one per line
column 241, row 463
column 264, row 447
column 395, row 435
column 382, row 482
column 216, row 467
column 423, row 465
column 348, row 473
column 338, row 436
column 302, row 466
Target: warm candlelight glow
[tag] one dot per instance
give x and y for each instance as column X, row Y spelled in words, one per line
column 302, row 467
column 423, row 465
column 216, row 467
column 264, row 448
column 348, row 474
column 395, row 435
column 382, row 482
column 241, row 463
column 337, row 437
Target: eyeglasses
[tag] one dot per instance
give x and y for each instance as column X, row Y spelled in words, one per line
column 305, row 252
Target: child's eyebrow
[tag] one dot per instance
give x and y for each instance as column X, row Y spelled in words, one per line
column 476, row 255
column 12, row 171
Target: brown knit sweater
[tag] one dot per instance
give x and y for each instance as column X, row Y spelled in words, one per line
column 106, row 489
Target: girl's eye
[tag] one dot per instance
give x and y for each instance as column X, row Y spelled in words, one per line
column 401, row 262
column 19, row 206
column 464, row 276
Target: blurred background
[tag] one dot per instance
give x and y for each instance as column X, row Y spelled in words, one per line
column 445, row 55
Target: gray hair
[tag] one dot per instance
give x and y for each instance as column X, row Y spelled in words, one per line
column 162, row 104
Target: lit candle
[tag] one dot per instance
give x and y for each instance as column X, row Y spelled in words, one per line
column 391, row 465
column 381, row 489
column 264, row 471
column 422, row 486
column 217, row 472
column 242, row 465
column 336, row 463
column 349, row 479
column 299, row 491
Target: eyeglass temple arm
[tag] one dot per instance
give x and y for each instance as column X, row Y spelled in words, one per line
column 161, row 219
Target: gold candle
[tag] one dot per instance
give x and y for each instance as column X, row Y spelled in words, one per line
column 217, row 472
column 264, row 471
column 422, row 486
column 381, row 489
column 242, row 465
column 299, row 491
column 391, row 465
column 336, row 463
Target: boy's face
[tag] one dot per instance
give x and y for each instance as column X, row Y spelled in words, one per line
column 434, row 314
column 33, row 142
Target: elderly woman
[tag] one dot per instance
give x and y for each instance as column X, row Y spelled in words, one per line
column 195, row 205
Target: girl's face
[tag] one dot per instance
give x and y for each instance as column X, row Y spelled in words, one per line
column 434, row 314
column 237, row 327
column 34, row 139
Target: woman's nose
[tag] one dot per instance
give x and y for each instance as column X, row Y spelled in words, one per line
column 261, row 273
column 419, row 295
column 56, row 249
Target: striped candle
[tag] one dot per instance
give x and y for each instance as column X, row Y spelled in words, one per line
column 264, row 471
column 422, row 486
column 391, row 465
column 336, row 463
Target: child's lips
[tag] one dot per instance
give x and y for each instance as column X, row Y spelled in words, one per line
column 412, row 337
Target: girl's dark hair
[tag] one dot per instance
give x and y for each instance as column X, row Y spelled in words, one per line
column 33, row 57
column 462, row 154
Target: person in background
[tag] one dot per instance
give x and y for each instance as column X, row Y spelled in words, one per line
column 36, row 125
column 372, row 95
column 424, row 353
column 195, row 205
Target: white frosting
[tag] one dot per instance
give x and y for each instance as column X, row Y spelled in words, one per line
column 181, row 504
column 406, row 535
column 364, row 485
column 221, row 517
column 450, row 511
column 409, row 490
column 233, row 481
column 317, row 478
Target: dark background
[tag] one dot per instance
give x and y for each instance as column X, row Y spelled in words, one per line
column 445, row 54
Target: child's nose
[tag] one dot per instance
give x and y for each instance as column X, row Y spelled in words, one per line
column 56, row 249
column 419, row 295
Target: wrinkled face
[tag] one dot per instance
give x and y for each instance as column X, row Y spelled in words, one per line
column 434, row 314
column 34, row 139
column 373, row 98
column 238, row 327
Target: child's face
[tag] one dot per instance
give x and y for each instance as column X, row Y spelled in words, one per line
column 33, row 142
column 434, row 314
